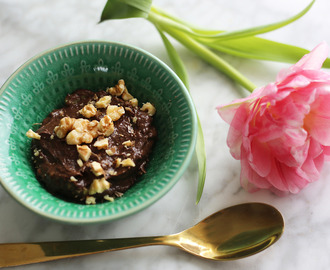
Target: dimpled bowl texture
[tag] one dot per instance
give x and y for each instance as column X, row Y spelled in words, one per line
column 40, row 86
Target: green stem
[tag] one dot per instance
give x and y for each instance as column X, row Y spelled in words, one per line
column 201, row 51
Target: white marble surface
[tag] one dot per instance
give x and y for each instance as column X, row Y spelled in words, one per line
column 29, row 27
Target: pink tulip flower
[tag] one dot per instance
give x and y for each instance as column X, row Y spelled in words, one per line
column 281, row 132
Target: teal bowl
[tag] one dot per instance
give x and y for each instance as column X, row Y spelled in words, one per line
column 40, row 86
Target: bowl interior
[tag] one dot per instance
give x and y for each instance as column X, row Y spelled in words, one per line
column 41, row 85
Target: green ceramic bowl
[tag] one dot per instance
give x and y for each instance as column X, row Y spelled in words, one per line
column 41, row 84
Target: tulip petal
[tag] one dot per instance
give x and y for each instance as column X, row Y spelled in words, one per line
column 234, row 138
column 261, row 158
column 317, row 122
column 250, row 180
column 294, row 181
column 311, row 61
column 314, row 59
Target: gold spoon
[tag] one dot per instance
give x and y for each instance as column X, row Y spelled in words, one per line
column 232, row 233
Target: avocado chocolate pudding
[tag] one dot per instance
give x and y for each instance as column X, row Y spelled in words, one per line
column 94, row 148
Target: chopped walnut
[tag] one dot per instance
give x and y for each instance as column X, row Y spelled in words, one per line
column 126, row 96
column 128, row 143
column 90, row 200
column 36, row 152
column 134, row 119
column 98, row 186
column 112, row 172
column 103, row 102
column 73, row 179
column 108, row 198
column 148, row 107
column 80, row 162
column 102, row 143
column 129, row 109
column 115, row 112
column 106, row 126
column 92, row 128
column 84, row 152
column 33, row 135
column 66, row 124
column 117, row 162
column 88, row 111
column 96, row 168
column 134, row 102
column 118, row 89
column 128, row 162
column 80, row 124
column 111, row 151
column 75, row 137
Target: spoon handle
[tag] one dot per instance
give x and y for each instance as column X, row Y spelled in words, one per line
column 13, row 254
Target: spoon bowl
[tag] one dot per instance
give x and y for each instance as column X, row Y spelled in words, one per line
column 232, row 233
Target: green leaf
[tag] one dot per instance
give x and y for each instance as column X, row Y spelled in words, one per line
column 221, row 35
column 201, row 158
column 175, row 59
column 247, row 47
column 180, row 70
column 261, row 49
column 203, row 52
column 260, row 29
column 181, row 24
column 258, row 48
column 124, row 9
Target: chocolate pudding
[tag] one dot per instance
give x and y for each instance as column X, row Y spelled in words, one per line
column 95, row 147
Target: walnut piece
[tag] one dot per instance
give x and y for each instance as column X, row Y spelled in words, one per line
column 128, row 143
column 66, row 124
column 115, row 112
column 36, row 152
column 149, row 108
column 108, row 198
column 80, row 162
column 126, row 96
column 103, row 102
column 106, row 126
column 134, row 102
column 80, row 124
column 134, row 119
column 117, row 162
column 128, row 162
column 96, row 168
column 92, row 128
column 118, row 89
column 88, row 111
column 33, row 135
column 73, row 179
column 75, row 137
column 111, row 151
column 102, row 143
column 90, row 200
column 98, row 186
column 84, row 152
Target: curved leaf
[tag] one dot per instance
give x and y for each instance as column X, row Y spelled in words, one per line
column 124, row 9
column 175, row 59
column 261, row 49
column 222, row 35
column 180, row 70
